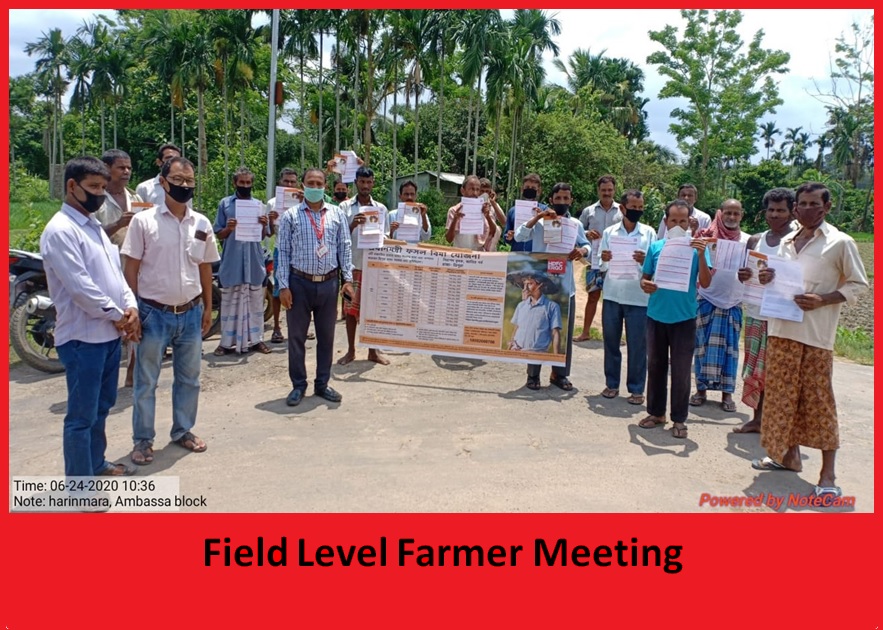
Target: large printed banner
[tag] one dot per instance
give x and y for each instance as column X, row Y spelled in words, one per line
column 498, row 306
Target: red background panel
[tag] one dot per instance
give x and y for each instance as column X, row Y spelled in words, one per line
column 147, row 570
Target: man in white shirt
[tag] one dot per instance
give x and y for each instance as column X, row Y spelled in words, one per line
column 698, row 220
column 169, row 254
column 719, row 315
column 287, row 179
column 595, row 219
column 94, row 307
column 486, row 241
column 352, row 209
column 408, row 196
column 626, row 303
column 799, row 407
column 150, row 190
column 115, row 215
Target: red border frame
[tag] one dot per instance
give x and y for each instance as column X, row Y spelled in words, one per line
column 137, row 569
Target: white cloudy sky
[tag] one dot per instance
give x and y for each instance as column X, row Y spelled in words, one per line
column 807, row 34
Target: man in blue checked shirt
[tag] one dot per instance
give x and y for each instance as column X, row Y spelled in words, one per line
column 314, row 250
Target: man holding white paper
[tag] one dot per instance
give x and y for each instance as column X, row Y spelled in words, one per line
column 470, row 224
column 595, row 219
column 240, row 225
column 577, row 247
column 410, row 221
column 800, row 408
column 719, row 320
column 778, row 206
column 623, row 249
column 523, row 210
column 671, row 321
column 353, row 209
column 288, row 196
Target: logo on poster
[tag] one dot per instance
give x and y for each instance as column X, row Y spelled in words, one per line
column 556, row 266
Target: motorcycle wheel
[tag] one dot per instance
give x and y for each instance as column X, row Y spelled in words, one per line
column 216, row 312
column 33, row 346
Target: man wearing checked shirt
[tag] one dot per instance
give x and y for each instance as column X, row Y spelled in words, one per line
column 314, row 245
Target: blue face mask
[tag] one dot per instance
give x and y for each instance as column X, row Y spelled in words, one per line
column 314, row 195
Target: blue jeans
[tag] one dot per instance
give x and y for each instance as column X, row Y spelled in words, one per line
column 613, row 314
column 184, row 333
column 92, row 373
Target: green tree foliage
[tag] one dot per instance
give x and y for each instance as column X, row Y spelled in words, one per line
column 728, row 90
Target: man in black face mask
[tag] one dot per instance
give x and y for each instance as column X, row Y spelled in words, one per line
column 624, row 301
column 242, row 273
column 341, row 192
column 531, row 188
column 95, row 308
column 562, row 199
column 169, row 253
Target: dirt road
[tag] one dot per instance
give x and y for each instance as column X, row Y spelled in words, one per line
column 434, row 434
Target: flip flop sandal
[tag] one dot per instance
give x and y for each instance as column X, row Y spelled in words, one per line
column 646, row 422
column 262, row 348
column 728, row 405
column 221, row 351
column 819, row 491
column 679, row 432
column 561, row 382
column 609, row 392
column 277, row 337
column 142, row 454
column 767, row 464
column 635, row 399
column 696, row 400
column 189, row 441
column 533, row 383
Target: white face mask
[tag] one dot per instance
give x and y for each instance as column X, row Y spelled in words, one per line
column 677, row 232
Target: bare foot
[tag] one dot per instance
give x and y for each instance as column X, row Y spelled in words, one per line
column 581, row 338
column 349, row 357
column 752, row 426
column 378, row 357
column 792, row 459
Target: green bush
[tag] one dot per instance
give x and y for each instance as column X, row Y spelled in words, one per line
column 856, row 345
column 28, row 188
column 29, row 240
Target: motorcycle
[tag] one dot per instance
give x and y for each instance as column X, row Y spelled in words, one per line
column 32, row 313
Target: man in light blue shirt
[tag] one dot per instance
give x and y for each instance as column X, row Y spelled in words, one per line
column 95, row 309
column 625, row 302
column 671, row 325
column 562, row 199
column 537, row 319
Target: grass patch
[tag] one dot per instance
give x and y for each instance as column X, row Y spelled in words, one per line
column 19, row 216
column 855, row 345
column 862, row 237
column 594, row 333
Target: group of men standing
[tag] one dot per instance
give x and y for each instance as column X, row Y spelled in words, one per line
column 160, row 296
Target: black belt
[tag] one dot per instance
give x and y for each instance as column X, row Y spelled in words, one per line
column 177, row 310
column 312, row 278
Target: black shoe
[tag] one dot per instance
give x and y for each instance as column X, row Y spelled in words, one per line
column 294, row 397
column 329, row 394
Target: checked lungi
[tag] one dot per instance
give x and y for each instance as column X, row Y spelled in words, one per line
column 716, row 362
column 754, row 364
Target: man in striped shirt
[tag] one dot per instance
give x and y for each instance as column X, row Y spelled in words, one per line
column 314, row 248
